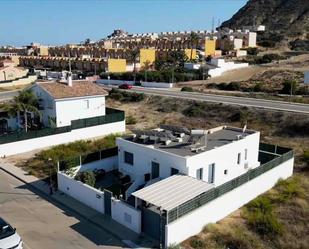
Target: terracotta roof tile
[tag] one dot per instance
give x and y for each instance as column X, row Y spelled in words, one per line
column 79, row 89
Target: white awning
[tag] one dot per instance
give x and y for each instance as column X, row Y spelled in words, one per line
column 172, row 191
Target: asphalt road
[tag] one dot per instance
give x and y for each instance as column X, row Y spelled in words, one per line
column 229, row 100
column 7, row 95
column 43, row 225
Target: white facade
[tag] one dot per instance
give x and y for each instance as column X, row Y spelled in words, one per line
column 224, row 205
column 223, row 66
column 237, row 43
column 67, row 109
column 239, row 157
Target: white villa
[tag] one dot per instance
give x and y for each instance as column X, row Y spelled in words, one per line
column 70, row 111
column 183, row 179
column 63, row 103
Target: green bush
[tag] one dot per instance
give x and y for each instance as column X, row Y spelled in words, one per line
column 289, row 85
column 187, row 89
column 287, row 189
column 87, row 177
column 174, row 246
column 260, row 217
column 124, row 96
column 130, row 120
column 197, row 243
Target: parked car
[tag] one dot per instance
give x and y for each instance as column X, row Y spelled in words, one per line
column 125, row 86
column 9, row 238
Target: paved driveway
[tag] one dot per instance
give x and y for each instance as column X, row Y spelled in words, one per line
column 43, row 225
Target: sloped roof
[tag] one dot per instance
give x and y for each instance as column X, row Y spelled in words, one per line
column 60, row 90
column 172, row 191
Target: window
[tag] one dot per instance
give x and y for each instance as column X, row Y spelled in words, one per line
column 155, row 170
column 211, row 173
column 127, row 218
column 225, row 171
column 86, row 104
column 246, row 154
column 238, row 158
column 174, row 171
column 199, row 174
column 128, row 158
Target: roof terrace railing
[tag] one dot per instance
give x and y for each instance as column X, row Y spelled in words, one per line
column 268, row 163
column 112, row 116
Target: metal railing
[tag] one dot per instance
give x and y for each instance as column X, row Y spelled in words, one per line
column 283, row 154
column 112, row 116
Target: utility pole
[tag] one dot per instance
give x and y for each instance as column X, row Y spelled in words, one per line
column 213, row 25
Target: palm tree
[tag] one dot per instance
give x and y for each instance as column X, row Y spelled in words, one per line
column 134, row 54
column 24, row 103
column 194, row 40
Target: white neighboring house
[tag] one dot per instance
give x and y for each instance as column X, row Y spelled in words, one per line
column 63, row 103
column 69, row 112
column 218, row 66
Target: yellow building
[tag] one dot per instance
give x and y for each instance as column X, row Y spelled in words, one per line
column 147, row 56
column 188, row 53
column 116, row 65
column 210, row 47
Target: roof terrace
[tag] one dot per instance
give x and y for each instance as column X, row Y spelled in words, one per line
column 184, row 142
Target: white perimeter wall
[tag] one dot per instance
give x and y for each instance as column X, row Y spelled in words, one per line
column 126, row 215
column 108, row 164
column 221, row 207
column 157, row 84
column 306, row 80
column 114, row 82
column 47, row 141
column 81, row 192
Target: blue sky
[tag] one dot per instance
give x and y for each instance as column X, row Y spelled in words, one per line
column 70, row 21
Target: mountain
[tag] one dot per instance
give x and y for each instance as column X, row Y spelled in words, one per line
column 285, row 19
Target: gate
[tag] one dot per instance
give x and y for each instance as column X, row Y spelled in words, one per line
column 108, row 202
column 153, row 224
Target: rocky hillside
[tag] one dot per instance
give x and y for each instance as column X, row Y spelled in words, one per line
column 284, row 19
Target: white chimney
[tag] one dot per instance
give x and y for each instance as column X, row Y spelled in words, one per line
column 69, row 79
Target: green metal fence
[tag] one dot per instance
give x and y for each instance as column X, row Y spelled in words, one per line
column 283, row 155
column 87, row 158
column 112, row 115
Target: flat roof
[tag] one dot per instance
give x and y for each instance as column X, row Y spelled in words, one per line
column 172, row 191
column 216, row 137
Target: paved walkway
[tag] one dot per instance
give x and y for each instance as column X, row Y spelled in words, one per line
column 122, row 233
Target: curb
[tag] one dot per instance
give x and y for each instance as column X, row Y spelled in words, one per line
column 64, row 205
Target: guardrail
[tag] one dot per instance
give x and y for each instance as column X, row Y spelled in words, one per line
column 112, row 116
column 284, row 154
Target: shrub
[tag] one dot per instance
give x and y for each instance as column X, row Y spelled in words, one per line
column 130, row 120
column 287, row 189
column 87, row 177
column 126, row 96
column 174, row 246
column 289, row 85
column 260, row 217
column 306, row 157
column 187, row 89
column 197, row 243
column 252, row 51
